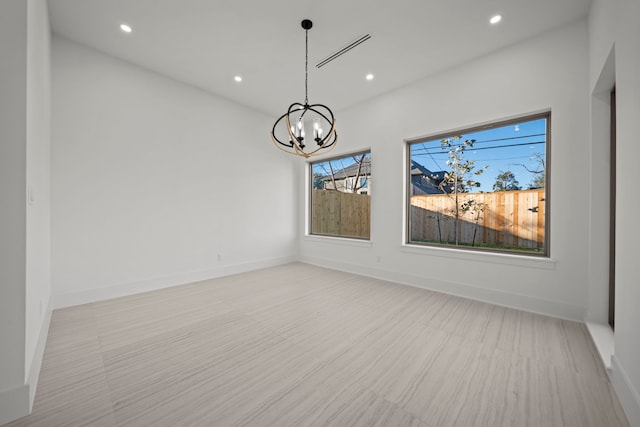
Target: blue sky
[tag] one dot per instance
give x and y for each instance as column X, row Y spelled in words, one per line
column 501, row 149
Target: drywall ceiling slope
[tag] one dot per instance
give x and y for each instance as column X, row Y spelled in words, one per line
column 206, row 43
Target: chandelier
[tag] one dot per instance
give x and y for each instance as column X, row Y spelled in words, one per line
column 294, row 125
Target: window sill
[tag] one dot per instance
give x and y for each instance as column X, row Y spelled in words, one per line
column 490, row 257
column 345, row 241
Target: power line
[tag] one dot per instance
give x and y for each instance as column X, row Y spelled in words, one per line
column 432, row 150
column 428, row 153
column 484, row 160
column 483, row 141
column 510, row 138
column 488, row 140
column 434, row 159
column 507, row 158
column 491, row 140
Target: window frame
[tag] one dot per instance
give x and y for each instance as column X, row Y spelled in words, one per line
column 309, row 190
column 546, row 248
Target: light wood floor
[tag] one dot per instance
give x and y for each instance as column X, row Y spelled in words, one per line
column 299, row 345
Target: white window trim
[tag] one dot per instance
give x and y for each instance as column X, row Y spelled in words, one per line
column 532, row 261
column 336, row 240
column 500, row 257
column 307, row 204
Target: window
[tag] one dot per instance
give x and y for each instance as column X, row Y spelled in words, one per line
column 348, row 184
column 340, row 196
column 484, row 188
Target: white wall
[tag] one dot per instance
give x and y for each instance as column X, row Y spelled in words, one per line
column 613, row 27
column 627, row 335
column 549, row 72
column 155, row 183
column 601, row 82
column 38, row 261
column 599, row 189
column 24, row 228
column 13, row 129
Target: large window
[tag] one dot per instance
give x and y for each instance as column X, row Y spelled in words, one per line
column 340, row 196
column 482, row 188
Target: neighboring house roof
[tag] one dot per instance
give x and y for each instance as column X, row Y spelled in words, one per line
column 351, row 170
column 418, row 169
column 423, row 181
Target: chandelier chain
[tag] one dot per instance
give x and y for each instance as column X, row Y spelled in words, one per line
column 306, row 67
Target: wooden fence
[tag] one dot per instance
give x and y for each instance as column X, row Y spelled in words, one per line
column 511, row 219
column 340, row 214
column 507, row 219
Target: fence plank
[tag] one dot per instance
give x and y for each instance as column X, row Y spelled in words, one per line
column 508, row 218
column 340, row 214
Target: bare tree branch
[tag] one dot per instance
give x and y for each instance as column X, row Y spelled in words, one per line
column 333, row 177
column 357, row 179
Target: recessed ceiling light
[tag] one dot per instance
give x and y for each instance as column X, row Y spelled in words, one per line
column 238, row 79
column 369, row 76
column 495, row 19
column 126, row 28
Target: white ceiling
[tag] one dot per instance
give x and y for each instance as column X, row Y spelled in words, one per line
column 206, row 43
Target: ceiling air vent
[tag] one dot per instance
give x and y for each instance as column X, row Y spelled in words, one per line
column 344, row 50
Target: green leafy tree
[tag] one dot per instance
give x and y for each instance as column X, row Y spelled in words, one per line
column 506, row 181
column 459, row 179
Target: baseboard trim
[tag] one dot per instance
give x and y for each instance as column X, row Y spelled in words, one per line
column 36, row 362
column 628, row 395
column 17, row 402
column 505, row 299
column 121, row 290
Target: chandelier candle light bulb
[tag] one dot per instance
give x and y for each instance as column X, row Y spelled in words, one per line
column 317, row 130
column 321, row 118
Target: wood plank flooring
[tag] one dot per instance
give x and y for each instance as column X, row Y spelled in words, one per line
column 299, row 345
